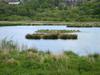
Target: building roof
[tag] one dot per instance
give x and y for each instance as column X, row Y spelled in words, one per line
column 12, row 0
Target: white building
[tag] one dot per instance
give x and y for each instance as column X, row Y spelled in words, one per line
column 16, row 2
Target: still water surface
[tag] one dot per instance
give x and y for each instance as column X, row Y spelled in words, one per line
column 88, row 39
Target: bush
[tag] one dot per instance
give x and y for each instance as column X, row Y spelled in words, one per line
column 68, row 36
column 12, row 61
column 33, row 36
column 50, row 36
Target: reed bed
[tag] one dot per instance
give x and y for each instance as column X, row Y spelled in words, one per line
column 34, row 62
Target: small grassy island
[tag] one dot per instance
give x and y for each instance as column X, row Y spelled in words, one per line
column 53, row 34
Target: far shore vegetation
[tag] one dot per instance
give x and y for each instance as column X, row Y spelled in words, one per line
column 51, row 10
column 53, row 23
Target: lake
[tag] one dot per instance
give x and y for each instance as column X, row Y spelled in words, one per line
column 88, row 39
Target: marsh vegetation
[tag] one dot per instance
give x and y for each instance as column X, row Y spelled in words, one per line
column 34, row 62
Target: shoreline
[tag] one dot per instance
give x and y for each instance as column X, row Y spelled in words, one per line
column 35, row 23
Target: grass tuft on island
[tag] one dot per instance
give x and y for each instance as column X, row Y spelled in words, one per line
column 34, row 62
column 57, row 31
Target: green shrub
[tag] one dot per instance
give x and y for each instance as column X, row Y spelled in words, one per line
column 67, row 36
column 50, row 36
column 57, row 31
column 12, row 61
column 33, row 36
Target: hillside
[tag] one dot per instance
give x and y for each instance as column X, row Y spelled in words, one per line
column 51, row 10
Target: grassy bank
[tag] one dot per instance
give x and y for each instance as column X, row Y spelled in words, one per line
column 84, row 25
column 34, row 62
column 43, row 23
column 14, row 23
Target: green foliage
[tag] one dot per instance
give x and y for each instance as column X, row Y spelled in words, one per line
column 34, row 62
column 51, row 10
column 33, row 36
column 51, row 36
column 68, row 36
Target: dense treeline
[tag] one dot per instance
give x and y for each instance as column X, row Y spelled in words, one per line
column 51, row 10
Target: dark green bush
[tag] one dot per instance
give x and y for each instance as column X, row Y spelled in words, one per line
column 67, row 36
column 50, row 36
column 29, row 36
column 33, row 36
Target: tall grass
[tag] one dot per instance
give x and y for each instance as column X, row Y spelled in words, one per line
column 34, row 62
column 8, row 45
